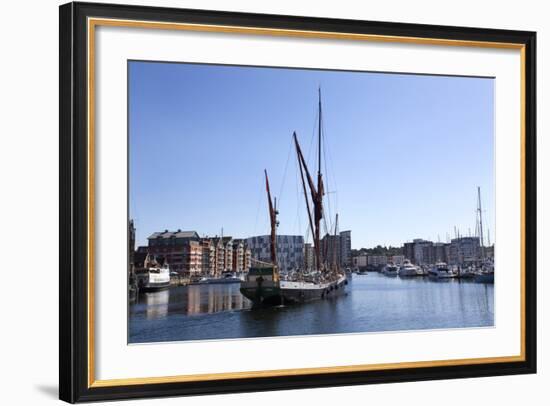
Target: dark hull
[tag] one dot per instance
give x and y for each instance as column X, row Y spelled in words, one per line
column 466, row 275
column 153, row 287
column 308, row 295
column 217, row 281
column 262, row 295
column 485, row 278
column 275, row 295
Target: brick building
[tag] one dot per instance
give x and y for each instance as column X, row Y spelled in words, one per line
column 180, row 249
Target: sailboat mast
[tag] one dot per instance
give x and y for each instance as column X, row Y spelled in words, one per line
column 319, row 132
column 480, row 222
column 300, row 158
column 319, row 198
column 335, row 250
column 273, row 220
column 316, row 192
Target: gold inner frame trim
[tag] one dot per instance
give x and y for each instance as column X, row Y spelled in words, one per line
column 94, row 22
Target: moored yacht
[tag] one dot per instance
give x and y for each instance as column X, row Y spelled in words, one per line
column 442, row 271
column 153, row 275
column 486, row 274
column 390, row 270
column 408, row 269
column 466, row 272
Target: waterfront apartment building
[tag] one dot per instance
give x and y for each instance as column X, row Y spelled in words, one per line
column 228, row 259
column 360, row 261
column 345, row 248
column 397, row 259
column 464, row 250
column 247, row 260
column 219, row 263
column 290, row 250
column 221, row 254
column 440, row 252
column 336, row 249
column 309, row 256
column 422, row 251
column 180, row 249
column 330, row 250
column 192, row 258
column 377, row 260
column 408, row 251
column 208, row 256
column 238, row 255
column 241, row 256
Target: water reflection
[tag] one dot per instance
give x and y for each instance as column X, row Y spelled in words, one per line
column 373, row 302
column 190, row 300
column 213, row 298
column 156, row 303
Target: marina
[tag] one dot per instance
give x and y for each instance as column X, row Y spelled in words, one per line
column 371, row 303
column 286, row 268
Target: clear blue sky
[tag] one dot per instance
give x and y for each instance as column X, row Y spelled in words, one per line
column 405, row 152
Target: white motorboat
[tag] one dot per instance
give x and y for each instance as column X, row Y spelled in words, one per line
column 408, row 269
column 153, row 275
column 390, row 270
column 442, row 271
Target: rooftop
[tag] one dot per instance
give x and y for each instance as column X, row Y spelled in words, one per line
column 174, row 234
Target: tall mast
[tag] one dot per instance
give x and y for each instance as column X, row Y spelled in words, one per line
column 319, row 132
column 300, row 157
column 318, row 203
column 273, row 220
column 334, row 250
column 480, row 222
column 317, row 192
column 316, row 198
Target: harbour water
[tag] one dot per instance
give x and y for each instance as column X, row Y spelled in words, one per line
column 373, row 303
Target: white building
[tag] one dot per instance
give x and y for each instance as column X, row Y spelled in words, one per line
column 360, row 261
column 398, row 259
column 377, row 260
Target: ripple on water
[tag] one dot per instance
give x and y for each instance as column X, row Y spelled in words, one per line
column 373, row 303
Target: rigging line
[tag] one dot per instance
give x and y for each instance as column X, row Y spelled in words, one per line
column 297, row 203
column 327, row 187
column 300, row 164
column 308, row 228
column 325, row 224
column 333, row 172
column 312, row 139
column 285, row 170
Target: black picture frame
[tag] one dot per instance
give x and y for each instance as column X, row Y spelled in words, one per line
column 74, row 199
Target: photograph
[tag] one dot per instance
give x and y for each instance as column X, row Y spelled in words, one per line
column 275, row 202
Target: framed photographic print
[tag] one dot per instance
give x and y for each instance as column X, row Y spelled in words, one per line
column 257, row 202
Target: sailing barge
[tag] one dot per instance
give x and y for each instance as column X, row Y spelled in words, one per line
column 263, row 284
